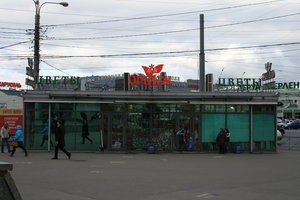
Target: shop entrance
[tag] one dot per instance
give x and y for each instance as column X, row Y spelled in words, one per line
column 190, row 123
column 113, row 132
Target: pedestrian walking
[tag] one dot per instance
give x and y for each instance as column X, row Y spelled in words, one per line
column 85, row 132
column 18, row 141
column 44, row 131
column 85, row 129
column 5, row 135
column 221, row 139
column 60, row 140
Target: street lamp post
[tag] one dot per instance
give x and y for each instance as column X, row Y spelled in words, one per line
column 37, row 35
column 243, row 81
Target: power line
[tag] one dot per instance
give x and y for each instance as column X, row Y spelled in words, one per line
column 3, row 47
column 172, row 52
column 4, row 37
column 15, row 29
column 163, row 15
column 177, row 31
column 55, row 68
column 12, row 32
column 257, row 20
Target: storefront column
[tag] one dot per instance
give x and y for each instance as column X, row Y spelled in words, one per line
column 251, row 129
column 49, row 127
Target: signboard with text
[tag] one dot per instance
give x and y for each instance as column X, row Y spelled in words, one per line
column 255, row 84
column 10, row 84
column 151, row 78
column 13, row 117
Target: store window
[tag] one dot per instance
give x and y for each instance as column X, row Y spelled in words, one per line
column 220, row 108
column 87, row 107
column 238, row 108
column 138, row 107
column 37, row 106
column 164, row 108
column 84, row 130
column 264, row 133
column 211, row 124
column 185, row 108
column 36, row 129
column 138, row 131
column 63, row 106
column 209, row 108
column 113, row 107
column 264, row 109
column 163, row 128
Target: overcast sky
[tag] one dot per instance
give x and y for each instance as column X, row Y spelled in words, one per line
column 95, row 28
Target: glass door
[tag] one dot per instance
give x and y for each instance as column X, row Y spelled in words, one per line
column 190, row 123
column 117, row 132
column 113, row 132
column 163, row 131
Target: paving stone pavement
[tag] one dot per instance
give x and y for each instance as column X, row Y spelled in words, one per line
column 111, row 176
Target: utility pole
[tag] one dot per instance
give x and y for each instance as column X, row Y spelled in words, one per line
column 36, row 59
column 202, row 56
column 36, row 62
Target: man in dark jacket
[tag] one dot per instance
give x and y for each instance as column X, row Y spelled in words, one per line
column 60, row 140
column 221, row 139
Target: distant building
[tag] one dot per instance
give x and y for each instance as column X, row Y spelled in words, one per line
column 291, row 104
column 11, row 99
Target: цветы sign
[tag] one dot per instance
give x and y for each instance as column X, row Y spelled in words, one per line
column 57, row 80
column 253, row 83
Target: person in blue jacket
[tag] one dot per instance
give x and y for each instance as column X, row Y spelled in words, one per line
column 18, row 137
column 44, row 131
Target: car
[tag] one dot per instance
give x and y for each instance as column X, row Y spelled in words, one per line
column 281, row 124
column 293, row 125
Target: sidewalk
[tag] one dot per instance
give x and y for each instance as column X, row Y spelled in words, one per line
column 91, row 176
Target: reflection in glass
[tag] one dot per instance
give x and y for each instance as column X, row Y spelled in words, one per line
column 138, row 131
column 117, row 132
column 163, row 127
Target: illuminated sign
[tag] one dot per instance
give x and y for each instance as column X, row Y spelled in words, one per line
column 9, row 84
column 151, row 78
column 57, row 80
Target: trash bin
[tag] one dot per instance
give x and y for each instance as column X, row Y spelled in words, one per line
column 151, row 148
column 238, row 148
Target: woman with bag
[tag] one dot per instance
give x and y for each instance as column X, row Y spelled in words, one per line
column 18, row 141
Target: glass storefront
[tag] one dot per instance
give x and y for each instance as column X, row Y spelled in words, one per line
column 264, row 131
column 132, row 126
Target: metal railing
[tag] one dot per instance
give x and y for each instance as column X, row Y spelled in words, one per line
column 290, row 140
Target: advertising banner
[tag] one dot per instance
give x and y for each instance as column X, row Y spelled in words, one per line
column 13, row 117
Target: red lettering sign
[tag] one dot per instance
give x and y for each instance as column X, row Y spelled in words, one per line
column 10, row 84
column 12, row 120
column 151, row 78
